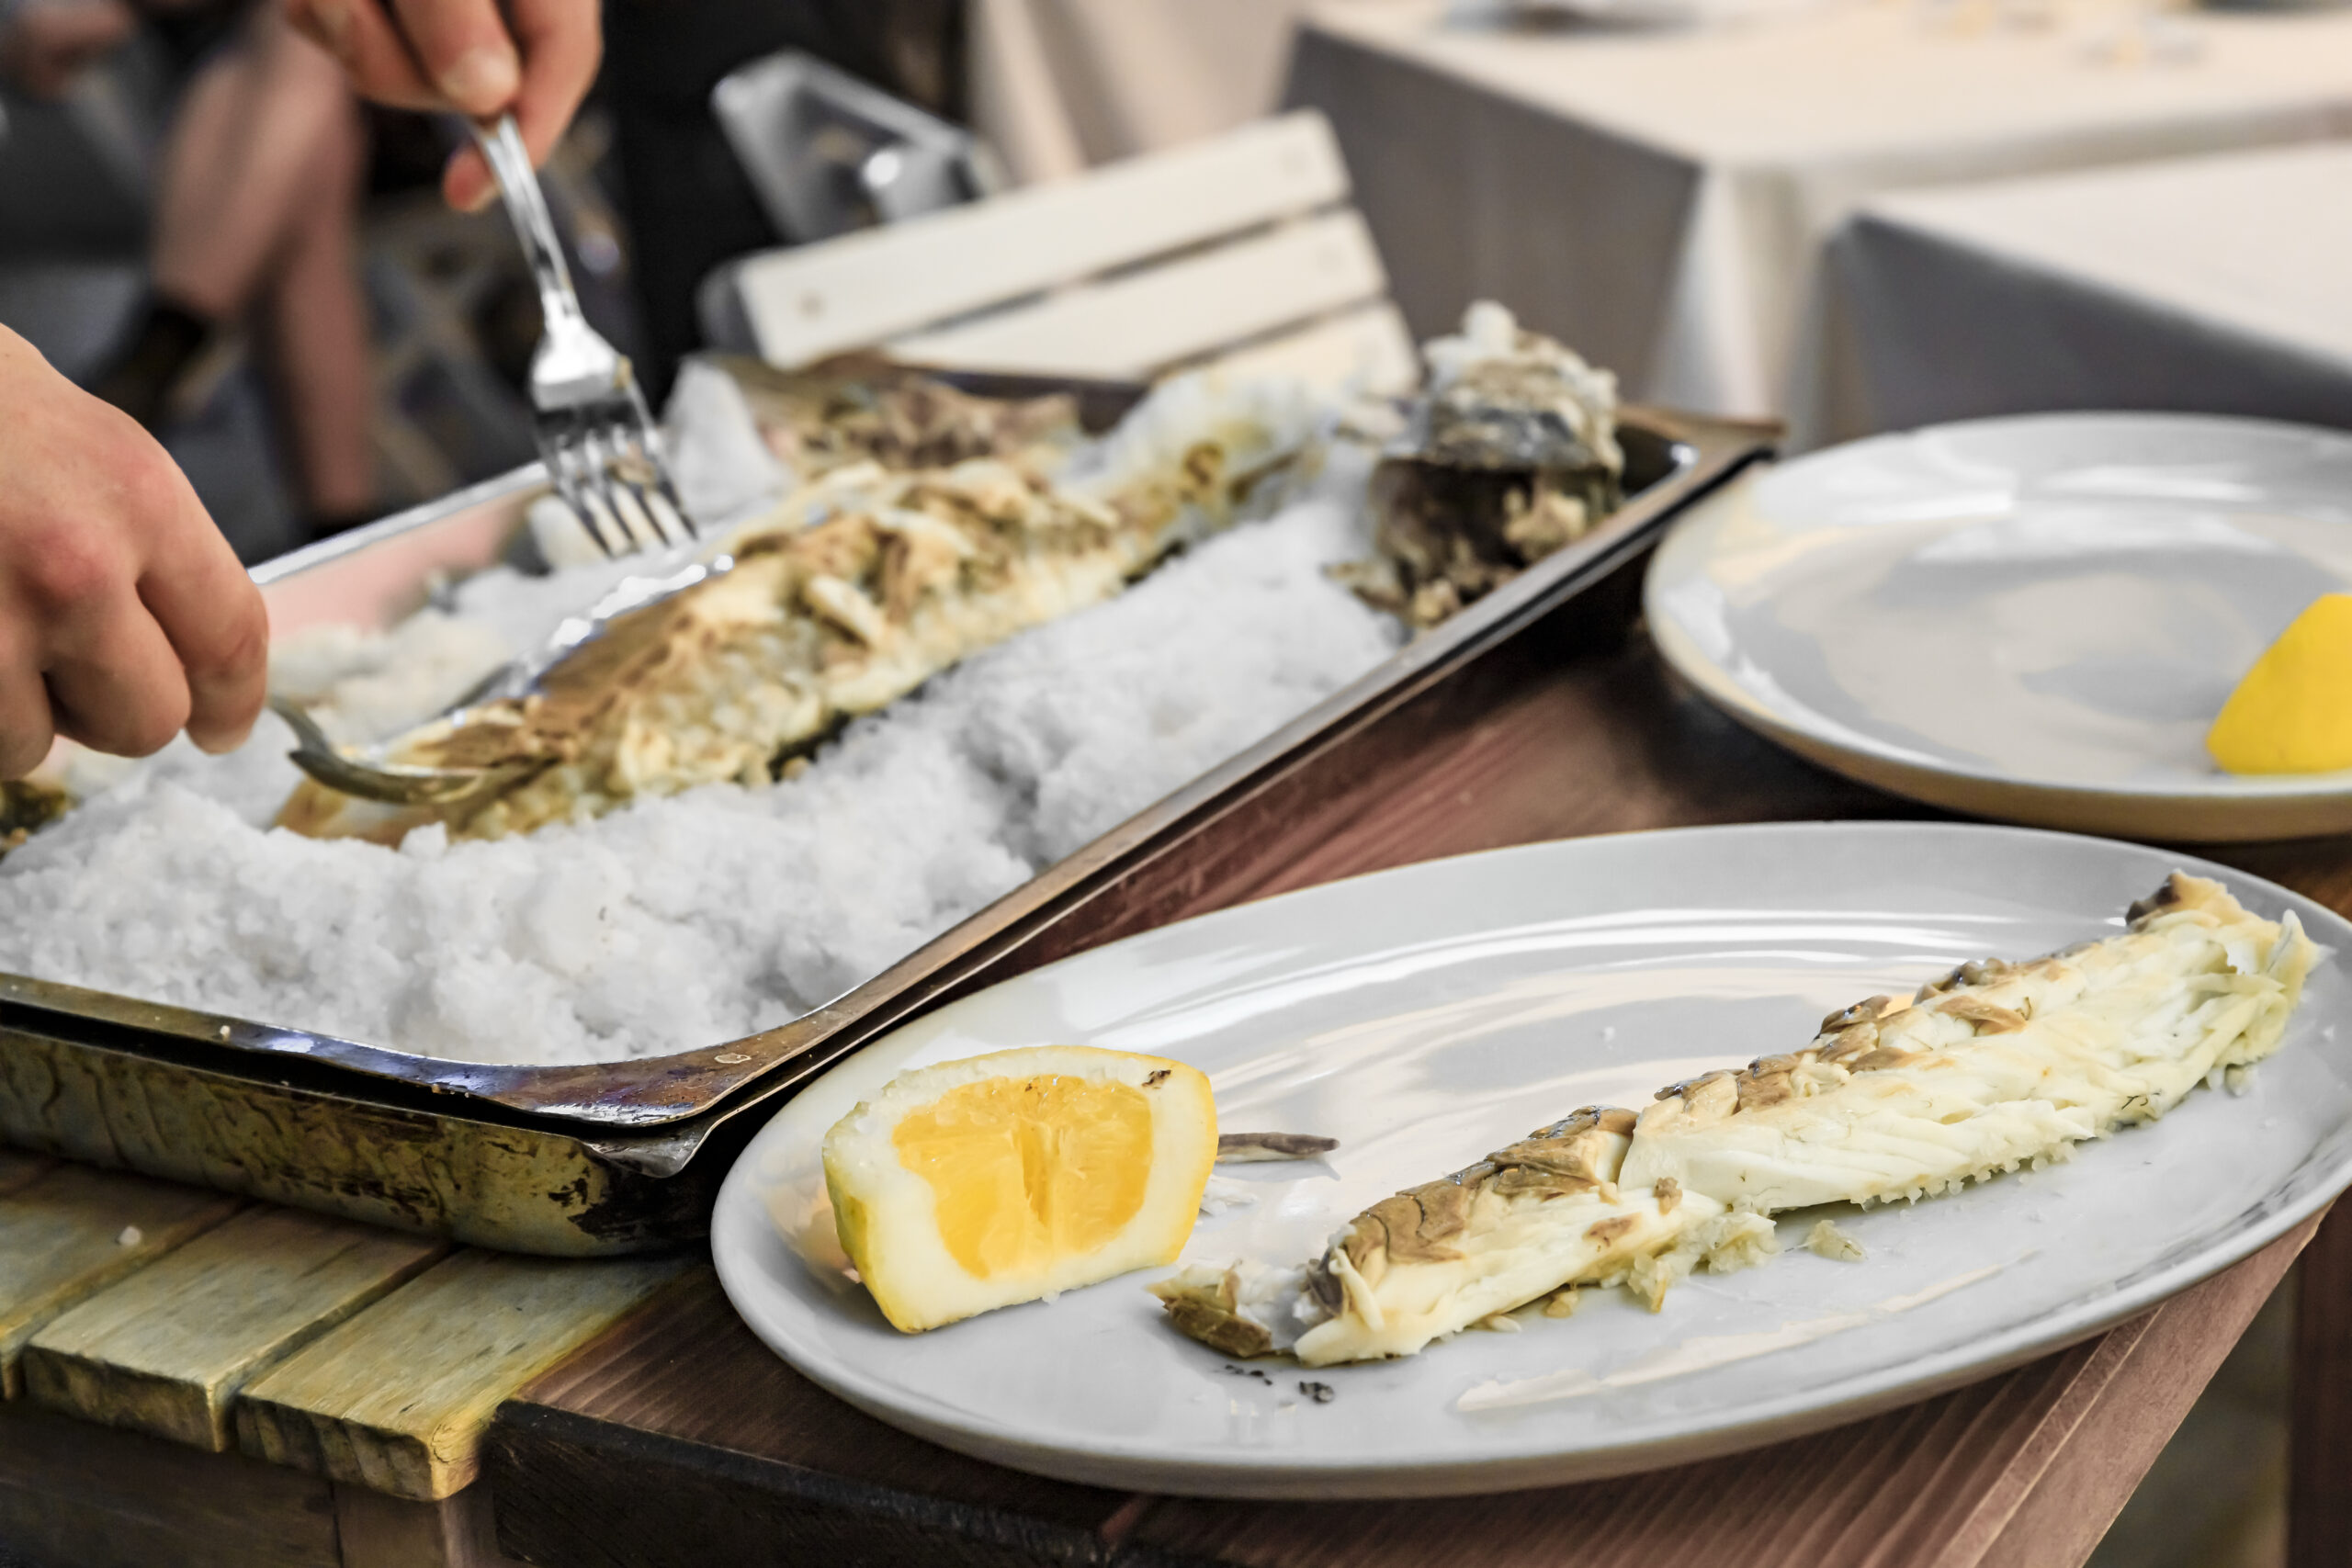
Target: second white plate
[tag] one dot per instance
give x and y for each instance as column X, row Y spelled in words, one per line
column 2031, row 618
column 1426, row 1015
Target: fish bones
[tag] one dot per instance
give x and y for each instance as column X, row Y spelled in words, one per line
column 1992, row 1067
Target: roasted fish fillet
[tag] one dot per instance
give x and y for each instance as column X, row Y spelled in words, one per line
column 862, row 408
column 1992, row 1067
column 866, row 583
column 1433, row 1260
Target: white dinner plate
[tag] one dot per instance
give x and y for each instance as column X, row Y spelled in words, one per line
column 1426, row 1015
column 2029, row 618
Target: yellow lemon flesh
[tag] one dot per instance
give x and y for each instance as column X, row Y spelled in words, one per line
column 1000, row 1178
column 2292, row 714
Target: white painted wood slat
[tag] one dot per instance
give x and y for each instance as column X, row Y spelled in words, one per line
column 867, row 288
column 1139, row 323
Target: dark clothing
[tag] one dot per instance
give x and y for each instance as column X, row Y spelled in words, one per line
column 688, row 204
column 190, row 34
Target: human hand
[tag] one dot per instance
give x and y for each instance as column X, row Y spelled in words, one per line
column 49, row 42
column 537, row 61
column 124, row 616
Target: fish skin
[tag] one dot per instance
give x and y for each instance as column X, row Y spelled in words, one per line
column 713, row 685
column 1991, row 1067
column 850, row 594
column 1977, row 1077
column 1251, row 1149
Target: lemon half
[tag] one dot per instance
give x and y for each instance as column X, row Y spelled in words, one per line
column 2292, row 714
column 1001, row 1178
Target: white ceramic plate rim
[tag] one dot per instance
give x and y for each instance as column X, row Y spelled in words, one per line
column 1687, row 548
column 1682, row 651
column 740, row 1225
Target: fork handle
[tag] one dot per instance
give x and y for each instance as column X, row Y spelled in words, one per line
column 510, row 165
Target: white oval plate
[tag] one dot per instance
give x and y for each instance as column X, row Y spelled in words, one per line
column 1426, row 1015
column 2029, row 618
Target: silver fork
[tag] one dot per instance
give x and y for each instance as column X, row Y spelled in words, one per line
column 598, row 440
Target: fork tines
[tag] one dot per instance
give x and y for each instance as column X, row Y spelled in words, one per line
column 607, row 461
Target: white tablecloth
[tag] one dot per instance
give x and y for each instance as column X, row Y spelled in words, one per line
column 1660, row 199
column 2221, row 285
column 1060, row 84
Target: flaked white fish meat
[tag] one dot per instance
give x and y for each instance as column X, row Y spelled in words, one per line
column 1993, row 1066
column 1442, row 1257
column 860, row 587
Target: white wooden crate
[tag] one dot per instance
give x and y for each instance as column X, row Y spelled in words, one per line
column 1241, row 251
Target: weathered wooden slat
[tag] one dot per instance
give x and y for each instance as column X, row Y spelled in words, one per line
column 74, row 1231
column 1139, row 323
column 396, row 1398
column 91, row 1497
column 862, row 289
column 165, row 1350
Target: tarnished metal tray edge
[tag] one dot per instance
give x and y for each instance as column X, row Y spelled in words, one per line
column 617, row 1107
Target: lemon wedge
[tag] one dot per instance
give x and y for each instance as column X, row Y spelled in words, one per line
column 1000, row 1178
column 2292, row 714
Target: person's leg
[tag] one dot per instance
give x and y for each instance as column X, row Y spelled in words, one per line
column 688, row 204
column 318, row 328
column 172, row 332
column 234, row 177
column 229, row 189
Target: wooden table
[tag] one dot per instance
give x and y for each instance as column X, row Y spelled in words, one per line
column 677, row 1438
column 196, row 1381
column 333, row 1409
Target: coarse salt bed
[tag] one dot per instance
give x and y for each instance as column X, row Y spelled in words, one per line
column 681, row 922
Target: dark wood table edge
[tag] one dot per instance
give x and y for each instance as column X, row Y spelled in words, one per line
column 735, row 1489
column 2319, row 1489
column 2106, row 1406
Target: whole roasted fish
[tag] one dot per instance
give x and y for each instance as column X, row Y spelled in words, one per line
column 861, row 586
column 862, row 408
column 1993, row 1066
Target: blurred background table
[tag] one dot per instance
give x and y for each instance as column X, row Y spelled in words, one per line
column 1056, row 87
column 1660, row 197
column 2215, row 285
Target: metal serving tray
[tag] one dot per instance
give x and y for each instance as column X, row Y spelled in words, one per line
column 624, row 1157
